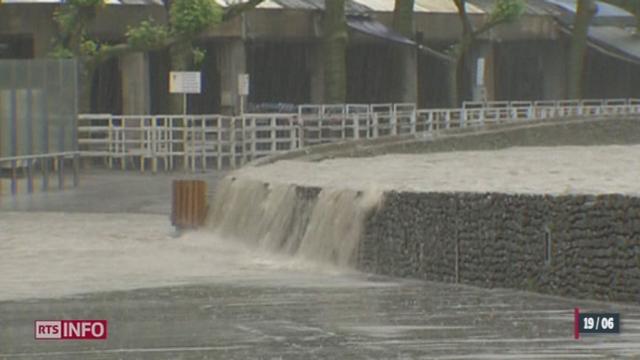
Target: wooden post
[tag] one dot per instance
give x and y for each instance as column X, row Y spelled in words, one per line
column 189, row 204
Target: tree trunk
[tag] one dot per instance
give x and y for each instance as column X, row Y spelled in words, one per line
column 456, row 69
column 586, row 9
column 459, row 52
column 335, row 52
column 85, row 87
column 404, row 61
column 403, row 17
column 453, row 84
column 181, row 60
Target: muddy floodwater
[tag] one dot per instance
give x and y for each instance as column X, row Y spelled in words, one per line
column 199, row 295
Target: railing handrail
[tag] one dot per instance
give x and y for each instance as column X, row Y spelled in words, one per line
column 232, row 139
column 40, row 156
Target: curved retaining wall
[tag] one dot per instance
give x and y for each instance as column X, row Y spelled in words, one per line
column 581, row 246
column 585, row 246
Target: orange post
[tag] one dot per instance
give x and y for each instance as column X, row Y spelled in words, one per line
column 189, row 204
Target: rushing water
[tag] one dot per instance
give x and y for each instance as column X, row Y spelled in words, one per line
column 276, row 217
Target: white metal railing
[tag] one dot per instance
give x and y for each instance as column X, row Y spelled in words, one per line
column 41, row 167
column 201, row 142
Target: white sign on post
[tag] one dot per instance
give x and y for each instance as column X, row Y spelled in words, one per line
column 184, row 82
column 243, row 84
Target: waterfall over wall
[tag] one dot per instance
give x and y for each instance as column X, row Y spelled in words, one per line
column 323, row 225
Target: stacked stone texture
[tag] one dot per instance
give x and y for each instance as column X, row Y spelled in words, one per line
column 499, row 241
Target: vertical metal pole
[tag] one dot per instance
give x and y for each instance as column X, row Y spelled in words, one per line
column 14, row 137
column 61, row 158
column 74, row 129
column 29, row 132
column 184, row 104
column 45, row 134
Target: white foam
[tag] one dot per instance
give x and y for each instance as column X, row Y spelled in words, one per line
column 558, row 170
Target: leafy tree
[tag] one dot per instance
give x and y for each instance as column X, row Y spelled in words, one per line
column 504, row 11
column 335, row 37
column 187, row 20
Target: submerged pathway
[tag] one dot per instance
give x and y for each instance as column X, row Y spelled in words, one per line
column 199, row 296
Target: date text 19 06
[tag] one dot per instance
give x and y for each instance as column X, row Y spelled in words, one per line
column 596, row 323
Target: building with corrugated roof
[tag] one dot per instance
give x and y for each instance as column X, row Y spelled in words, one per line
column 279, row 45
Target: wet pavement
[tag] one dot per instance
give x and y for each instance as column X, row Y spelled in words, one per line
column 372, row 319
column 204, row 299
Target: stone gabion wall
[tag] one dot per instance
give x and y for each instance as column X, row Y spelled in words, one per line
column 575, row 245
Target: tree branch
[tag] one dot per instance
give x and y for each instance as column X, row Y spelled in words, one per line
column 438, row 54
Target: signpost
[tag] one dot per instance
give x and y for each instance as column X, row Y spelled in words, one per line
column 243, row 89
column 185, row 82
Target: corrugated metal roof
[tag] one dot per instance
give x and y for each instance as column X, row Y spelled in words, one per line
column 565, row 10
column 443, row 6
column 611, row 30
column 530, row 6
column 353, row 7
column 361, row 7
column 266, row 4
column 108, row 2
column 374, row 28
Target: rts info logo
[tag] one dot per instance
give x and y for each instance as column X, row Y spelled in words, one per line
column 70, row 329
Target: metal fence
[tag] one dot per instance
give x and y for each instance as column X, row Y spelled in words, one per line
column 38, row 113
column 202, row 142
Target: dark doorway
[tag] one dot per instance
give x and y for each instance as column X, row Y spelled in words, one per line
column 518, row 71
column 608, row 78
column 16, row 47
column 369, row 75
column 279, row 72
column 106, row 88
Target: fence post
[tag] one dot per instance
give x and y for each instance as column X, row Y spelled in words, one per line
column 154, row 145
column 413, row 122
column 143, row 138
column 300, row 132
column 193, row 145
column 292, row 133
column 184, row 143
column 76, row 169
column 203, row 143
column 272, row 124
column 393, row 122
column 375, row 125
column 219, row 147
column 232, row 141
column 61, row 172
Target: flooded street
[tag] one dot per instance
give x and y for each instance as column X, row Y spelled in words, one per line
column 199, row 296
